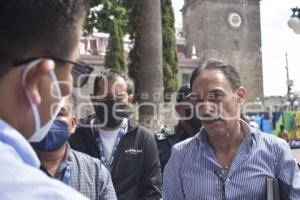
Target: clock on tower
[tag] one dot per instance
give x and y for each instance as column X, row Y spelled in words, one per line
column 234, row 20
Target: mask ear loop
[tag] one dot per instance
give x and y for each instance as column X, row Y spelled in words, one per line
column 36, row 136
column 59, row 94
column 33, row 106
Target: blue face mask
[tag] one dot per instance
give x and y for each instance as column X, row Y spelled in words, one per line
column 56, row 137
column 42, row 130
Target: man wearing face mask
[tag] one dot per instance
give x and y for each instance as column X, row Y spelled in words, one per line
column 82, row 172
column 127, row 150
column 38, row 49
column 187, row 126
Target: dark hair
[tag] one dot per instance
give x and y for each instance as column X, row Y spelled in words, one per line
column 229, row 71
column 183, row 93
column 50, row 27
column 109, row 74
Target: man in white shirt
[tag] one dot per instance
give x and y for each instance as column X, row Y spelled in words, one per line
column 39, row 41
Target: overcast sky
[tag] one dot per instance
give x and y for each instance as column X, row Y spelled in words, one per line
column 277, row 38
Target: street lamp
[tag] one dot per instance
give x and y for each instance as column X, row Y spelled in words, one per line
column 293, row 102
column 287, row 105
column 291, row 98
column 294, row 21
column 258, row 101
column 296, row 105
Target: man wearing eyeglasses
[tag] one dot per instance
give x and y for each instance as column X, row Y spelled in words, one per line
column 127, row 150
column 38, row 46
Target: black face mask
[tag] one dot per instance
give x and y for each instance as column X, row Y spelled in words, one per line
column 113, row 116
column 194, row 121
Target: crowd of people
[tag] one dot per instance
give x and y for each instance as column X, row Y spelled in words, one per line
column 211, row 153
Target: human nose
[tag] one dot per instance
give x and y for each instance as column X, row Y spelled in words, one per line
column 206, row 108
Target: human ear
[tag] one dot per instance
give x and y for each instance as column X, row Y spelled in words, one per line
column 74, row 123
column 241, row 95
column 38, row 72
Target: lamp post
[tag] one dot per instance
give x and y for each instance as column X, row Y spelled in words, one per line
column 294, row 21
column 291, row 103
column 294, row 24
column 296, row 105
column 258, row 101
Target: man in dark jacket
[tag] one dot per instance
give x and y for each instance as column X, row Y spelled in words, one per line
column 188, row 125
column 127, row 150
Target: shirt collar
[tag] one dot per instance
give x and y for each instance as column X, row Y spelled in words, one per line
column 12, row 137
column 67, row 159
column 249, row 132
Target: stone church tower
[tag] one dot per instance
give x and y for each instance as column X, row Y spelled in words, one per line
column 228, row 30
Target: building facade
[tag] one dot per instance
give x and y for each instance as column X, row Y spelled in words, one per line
column 224, row 29
column 228, row 30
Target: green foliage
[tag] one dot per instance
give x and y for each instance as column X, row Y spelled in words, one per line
column 92, row 19
column 111, row 17
column 133, row 29
column 170, row 59
column 118, row 17
column 114, row 57
column 101, row 16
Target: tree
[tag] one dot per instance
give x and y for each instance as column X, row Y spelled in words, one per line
column 114, row 57
column 133, row 28
column 149, row 76
column 110, row 17
column 145, row 58
column 170, row 59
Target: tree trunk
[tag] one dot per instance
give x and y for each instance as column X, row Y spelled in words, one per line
column 150, row 74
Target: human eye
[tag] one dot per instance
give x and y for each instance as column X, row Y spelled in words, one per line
column 195, row 98
column 214, row 96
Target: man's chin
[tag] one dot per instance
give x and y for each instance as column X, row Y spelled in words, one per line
column 214, row 126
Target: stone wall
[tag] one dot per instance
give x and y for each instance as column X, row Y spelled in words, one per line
column 206, row 24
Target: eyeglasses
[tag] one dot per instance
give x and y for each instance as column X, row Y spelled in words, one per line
column 80, row 70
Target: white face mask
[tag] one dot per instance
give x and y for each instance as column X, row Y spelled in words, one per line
column 41, row 131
